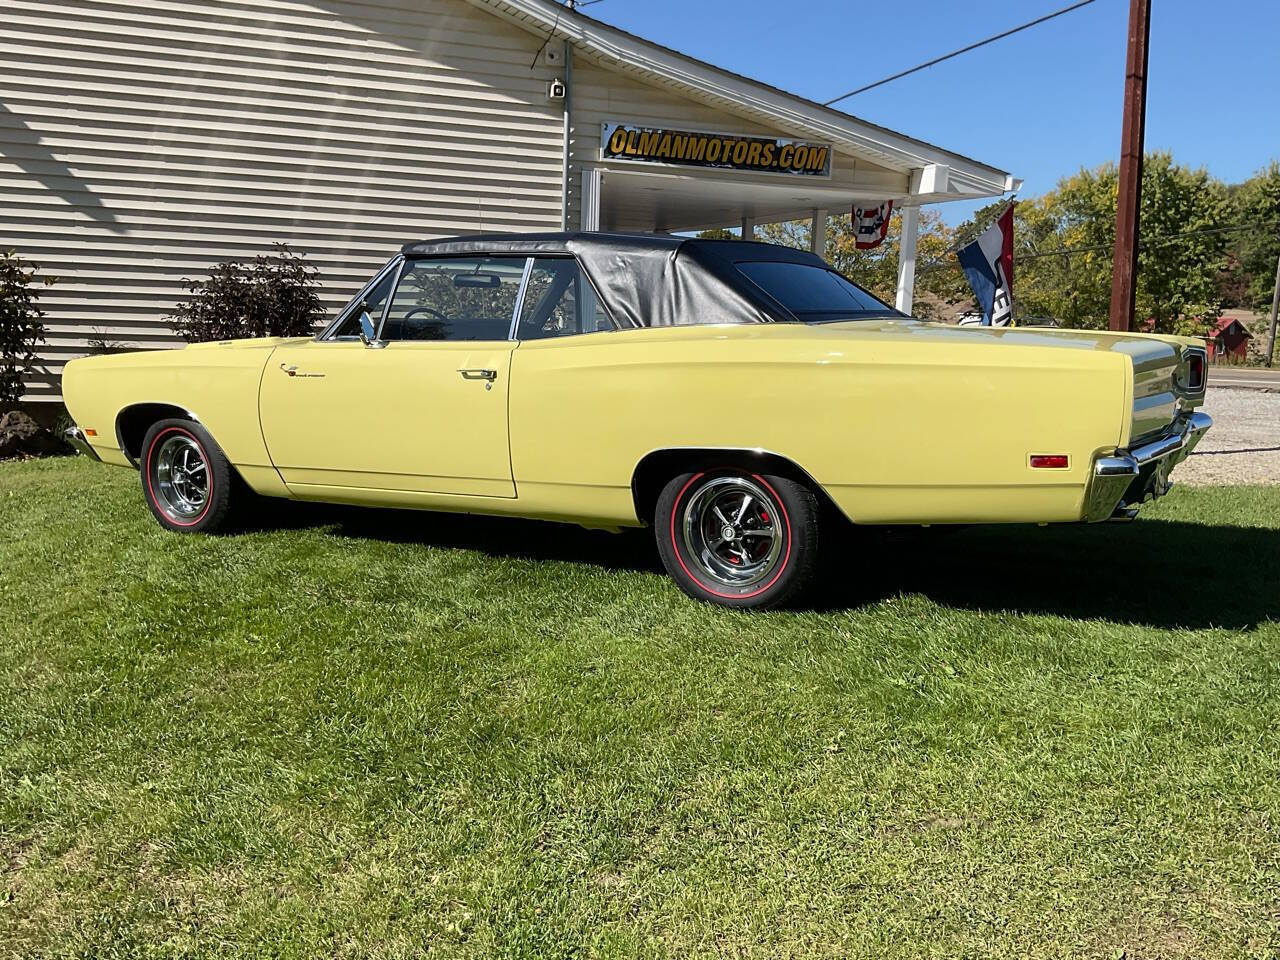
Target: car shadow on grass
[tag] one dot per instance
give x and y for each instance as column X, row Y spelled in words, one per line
column 1155, row 572
column 499, row 537
column 1158, row 573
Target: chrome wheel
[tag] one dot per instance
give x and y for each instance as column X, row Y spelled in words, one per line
column 733, row 531
column 181, row 478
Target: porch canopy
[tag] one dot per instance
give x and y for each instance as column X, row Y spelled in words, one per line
column 659, row 141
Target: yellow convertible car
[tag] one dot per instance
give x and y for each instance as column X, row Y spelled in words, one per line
column 740, row 398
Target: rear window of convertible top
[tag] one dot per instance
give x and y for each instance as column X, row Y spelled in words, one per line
column 814, row 294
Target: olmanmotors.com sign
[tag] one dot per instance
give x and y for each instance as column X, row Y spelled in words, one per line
column 625, row 141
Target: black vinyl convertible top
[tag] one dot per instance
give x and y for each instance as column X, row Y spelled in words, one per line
column 651, row 280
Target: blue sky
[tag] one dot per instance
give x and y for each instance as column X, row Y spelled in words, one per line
column 1040, row 104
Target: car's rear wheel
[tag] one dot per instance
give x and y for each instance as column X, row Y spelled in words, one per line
column 737, row 538
column 186, row 479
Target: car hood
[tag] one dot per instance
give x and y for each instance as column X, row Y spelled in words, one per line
column 249, row 343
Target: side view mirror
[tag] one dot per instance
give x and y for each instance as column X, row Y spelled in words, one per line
column 368, row 332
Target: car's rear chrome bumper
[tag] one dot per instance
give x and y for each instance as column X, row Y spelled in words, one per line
column 1127, row 478
column 75, row 437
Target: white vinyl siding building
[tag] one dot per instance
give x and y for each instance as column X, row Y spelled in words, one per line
column 140, row 144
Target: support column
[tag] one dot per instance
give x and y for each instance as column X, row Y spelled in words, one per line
column 818, row 233
column 748, row 228
column 907, row 258
column 589, row 213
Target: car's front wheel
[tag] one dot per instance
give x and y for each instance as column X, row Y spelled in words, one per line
column 186, row 479
column 738, row 538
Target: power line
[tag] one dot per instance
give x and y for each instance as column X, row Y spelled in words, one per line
column 954, row 53
column 533, row 63
column 1142, row 244
column 570, row 5
column 1155, row 241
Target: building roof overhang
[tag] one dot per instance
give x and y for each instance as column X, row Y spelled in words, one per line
column 936, row 174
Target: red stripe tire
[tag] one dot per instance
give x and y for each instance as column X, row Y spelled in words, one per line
column 738, row 538
column 186, row 480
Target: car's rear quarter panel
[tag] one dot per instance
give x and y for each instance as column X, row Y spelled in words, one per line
column 895, row 431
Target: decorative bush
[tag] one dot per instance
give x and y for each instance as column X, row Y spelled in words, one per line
column 21, row 323
column 275, row 296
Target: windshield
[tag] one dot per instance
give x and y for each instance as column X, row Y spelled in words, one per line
column 814, row 294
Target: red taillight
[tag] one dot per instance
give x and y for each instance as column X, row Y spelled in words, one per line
column 1054, row 461
column 1195, row 371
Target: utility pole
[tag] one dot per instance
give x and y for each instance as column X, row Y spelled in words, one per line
column 1124, row 266
column 1275, row 307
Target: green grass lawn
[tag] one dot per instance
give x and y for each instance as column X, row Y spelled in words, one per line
column 353, row 733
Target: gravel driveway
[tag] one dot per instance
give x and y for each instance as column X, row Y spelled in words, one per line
column 1244, row 444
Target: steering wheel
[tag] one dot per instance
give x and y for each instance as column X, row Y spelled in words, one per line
column 427, row 310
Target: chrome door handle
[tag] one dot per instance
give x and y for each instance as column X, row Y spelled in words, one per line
column 476, row 373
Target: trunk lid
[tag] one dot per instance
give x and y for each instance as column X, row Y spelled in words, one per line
column 1160, row 363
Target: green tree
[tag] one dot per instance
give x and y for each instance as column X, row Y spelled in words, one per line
column 1046, row 283
column 1257, row 206
column 1179, row 261
column 21, row 323
column 1063, row 247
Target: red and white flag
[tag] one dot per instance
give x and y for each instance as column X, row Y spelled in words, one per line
column 988, row 265
column 870, row 224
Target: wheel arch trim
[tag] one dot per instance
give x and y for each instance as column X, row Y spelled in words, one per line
column 645, row 474
column 145, row 413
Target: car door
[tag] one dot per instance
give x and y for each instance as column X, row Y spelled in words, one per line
column 566, row 375
column 422, row 408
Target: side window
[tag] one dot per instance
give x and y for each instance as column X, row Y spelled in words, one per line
column 560, row 302
column 455, row 298
column 349, row 329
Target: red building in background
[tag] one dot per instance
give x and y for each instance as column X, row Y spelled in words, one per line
column 1229, row 341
